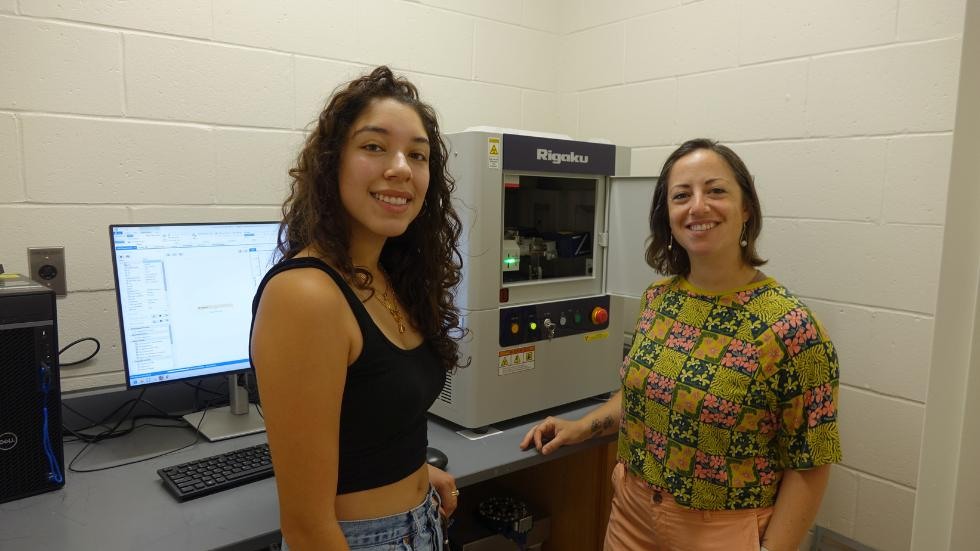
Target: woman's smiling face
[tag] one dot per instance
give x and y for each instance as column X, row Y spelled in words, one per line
column 705, row 205
column 384, row 169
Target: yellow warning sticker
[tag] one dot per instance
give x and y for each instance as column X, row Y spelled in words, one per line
column 515, row 360
column 589, row 337
column 493, row 153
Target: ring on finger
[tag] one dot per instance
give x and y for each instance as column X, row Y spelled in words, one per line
column 455, row 492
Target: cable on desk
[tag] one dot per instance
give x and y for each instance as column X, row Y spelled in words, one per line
column 197, row 438
column 225, row 399
column 98, row 347
column 65, row 430
column 110, row 433
column 198, row 387
column 113, row 432
column 78, row 435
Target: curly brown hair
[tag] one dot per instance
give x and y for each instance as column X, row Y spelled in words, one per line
column 674, row 260
column 423, row 263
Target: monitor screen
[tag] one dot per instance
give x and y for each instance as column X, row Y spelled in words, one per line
column 184, row 293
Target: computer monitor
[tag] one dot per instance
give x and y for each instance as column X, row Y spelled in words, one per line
column 184, row 293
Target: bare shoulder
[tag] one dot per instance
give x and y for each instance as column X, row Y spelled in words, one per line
column 305, row 303
column 303, row 291
column 303, row 312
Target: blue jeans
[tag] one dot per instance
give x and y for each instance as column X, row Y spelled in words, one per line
column 416, row 530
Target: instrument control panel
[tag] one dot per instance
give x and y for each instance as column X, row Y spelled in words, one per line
column 552, row 320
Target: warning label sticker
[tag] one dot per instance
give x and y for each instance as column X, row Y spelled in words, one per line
column 589, row 337
column 493, row 153
column 515, row 360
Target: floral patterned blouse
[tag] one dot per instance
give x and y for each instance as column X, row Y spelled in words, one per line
column 722, row 392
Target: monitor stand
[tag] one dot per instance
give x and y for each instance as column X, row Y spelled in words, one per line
column 238, row 418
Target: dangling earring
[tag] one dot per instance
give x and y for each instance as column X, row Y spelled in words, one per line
column 744, row 243
column 670, row 245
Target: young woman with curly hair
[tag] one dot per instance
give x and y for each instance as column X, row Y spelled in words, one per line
column 355, row 329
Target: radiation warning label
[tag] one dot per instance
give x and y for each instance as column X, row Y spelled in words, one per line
column 493, row 153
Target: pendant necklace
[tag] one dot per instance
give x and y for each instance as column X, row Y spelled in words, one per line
column 392, row 308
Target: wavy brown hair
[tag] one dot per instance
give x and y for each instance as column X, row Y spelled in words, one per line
column 674, row 260
column 423, row 263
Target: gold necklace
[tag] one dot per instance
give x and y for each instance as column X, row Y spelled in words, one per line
column 392, row 308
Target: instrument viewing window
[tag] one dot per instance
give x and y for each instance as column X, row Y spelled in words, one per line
column 549, row 222
column 184, row 293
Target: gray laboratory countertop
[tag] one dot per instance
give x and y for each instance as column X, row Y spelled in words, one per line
column 127, row 507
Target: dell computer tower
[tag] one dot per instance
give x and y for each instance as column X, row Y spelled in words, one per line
column 31, row 454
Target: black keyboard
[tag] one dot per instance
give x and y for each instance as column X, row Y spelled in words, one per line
column 218, row 472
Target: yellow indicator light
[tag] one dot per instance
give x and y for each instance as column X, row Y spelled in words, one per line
column 534, row 326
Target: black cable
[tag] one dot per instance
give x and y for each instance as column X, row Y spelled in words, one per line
column 79, row 435
column 93, row 423
column 104, row 434
column 108, row 416
column 163, row 413
column 114, row 432
column 198, row 387
column 71, row 466
column 133, row 403
column 197, row 437
column 98, row 347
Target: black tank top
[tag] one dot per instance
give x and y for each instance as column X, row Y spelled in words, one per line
column 388, row 390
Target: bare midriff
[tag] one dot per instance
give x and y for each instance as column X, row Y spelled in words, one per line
column 383, row 501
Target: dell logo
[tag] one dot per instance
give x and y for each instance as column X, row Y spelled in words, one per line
column 7, row 441
column 559, row 158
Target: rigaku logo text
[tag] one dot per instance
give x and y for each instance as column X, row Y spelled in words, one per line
column 559, row 158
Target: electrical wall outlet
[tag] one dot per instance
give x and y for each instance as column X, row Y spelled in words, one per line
column 47, row 265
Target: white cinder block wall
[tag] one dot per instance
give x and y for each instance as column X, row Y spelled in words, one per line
column 192, row 110
column 844, row 112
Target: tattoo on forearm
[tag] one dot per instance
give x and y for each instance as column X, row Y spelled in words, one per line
column 600, row 426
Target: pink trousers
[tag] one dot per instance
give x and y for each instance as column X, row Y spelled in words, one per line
column 646, row 519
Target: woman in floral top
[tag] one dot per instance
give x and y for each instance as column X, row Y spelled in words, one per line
column 727, row 416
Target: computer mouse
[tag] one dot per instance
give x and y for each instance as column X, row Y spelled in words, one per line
column 436, row 458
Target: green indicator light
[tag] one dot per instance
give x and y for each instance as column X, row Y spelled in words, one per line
column 534, row 326
column 578, row 317
column 510, row 261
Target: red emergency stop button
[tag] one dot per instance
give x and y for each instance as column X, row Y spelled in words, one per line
column 599, row 315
